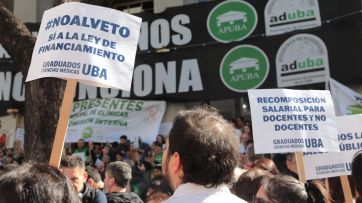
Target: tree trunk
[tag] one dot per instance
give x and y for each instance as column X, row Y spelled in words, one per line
column 43, row 97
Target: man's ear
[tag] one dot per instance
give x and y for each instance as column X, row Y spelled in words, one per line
column 85, row 175
column 177, row 165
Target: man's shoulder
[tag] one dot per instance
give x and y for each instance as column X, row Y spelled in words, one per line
column 119, row 197
column 94, row 195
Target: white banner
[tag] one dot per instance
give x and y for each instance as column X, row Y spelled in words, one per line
column 105, row 120
column 337, row 163
column 293, row 120
column 346, row 101
column 93, row 44
column 7, row 130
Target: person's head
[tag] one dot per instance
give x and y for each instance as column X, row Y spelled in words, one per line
column 105, row 150
column 36, row 183
column 239, row 121
column 123, row 139
column 249, row 183
column 156, row 172
column 106, row 159
column 74, row 169
column 157, row 197
column 117, row 176
column 266, row 165
column 291, row 163
column 201, row 148
column 282, row 189
column 94, row 178
column 157, row 149
column 120, row 156
column 160, row 139
column 357, row 171
column 245, row 138
column 80, row 143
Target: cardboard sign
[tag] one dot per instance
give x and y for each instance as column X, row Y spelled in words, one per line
column 92, row 44
column 293, row 120
column 105, row 120
column 323, row 165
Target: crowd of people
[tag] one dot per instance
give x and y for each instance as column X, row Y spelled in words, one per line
column 205, row 158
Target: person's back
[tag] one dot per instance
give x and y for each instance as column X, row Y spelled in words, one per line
column 357, row 174
column 200, row 157
column 117, row 178
column 123, row 197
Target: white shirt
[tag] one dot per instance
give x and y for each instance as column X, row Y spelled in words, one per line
column 193, row 193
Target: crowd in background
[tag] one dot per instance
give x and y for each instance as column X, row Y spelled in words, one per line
column 274, row 176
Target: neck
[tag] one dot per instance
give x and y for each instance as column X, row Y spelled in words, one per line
column 118, row 189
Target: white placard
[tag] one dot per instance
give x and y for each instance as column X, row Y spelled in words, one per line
column 323, row 165
column 293, row 121
column 93, row 44
column 105, row 120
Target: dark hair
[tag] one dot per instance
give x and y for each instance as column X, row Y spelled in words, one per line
column 157, row 196
column 286, row 189
column 36, row 183
column 121, row 172
column 163, row 139
column 249, row 183
column 72, row 162
column 207, row 145
column 335, row 188
column 267, row 165
column 124, row 137
column 356, row 172
column 94, row 174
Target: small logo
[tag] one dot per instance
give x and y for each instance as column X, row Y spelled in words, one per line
column 244, row 67
column 232, row 21
column 285, row 16
column 87, row 132
column 302, row 59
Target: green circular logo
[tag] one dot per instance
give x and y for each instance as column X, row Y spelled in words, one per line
column 87, row 132
column 232, row 21
column 244, row 67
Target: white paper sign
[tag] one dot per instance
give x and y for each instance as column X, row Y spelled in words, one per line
column 105, row 120
column 333, row 164
column 93, row 44
column 293, row 121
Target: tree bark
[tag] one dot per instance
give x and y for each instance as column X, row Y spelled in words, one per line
column 43, row 97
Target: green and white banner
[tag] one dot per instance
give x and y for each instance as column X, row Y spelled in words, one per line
column 346, row 101
column 105, row 120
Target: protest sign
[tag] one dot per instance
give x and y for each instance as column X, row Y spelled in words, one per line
column 323, row 165
column 293, row 121
column 92, row 44
column 105, row 120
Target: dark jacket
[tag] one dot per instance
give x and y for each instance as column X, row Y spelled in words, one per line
column 123, row 197
column 91, row 195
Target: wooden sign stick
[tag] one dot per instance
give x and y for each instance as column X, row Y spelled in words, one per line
column 300, row 164
column 346, row 189
column 62, row 126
